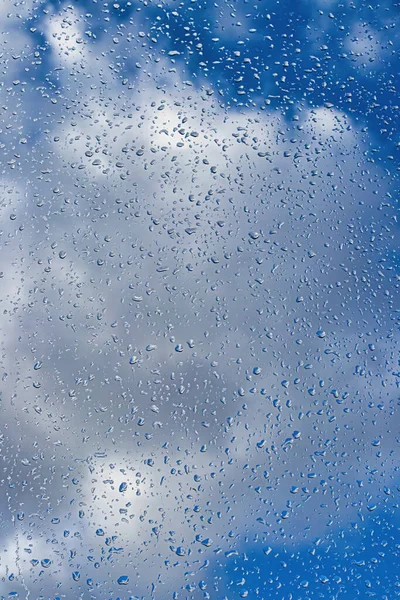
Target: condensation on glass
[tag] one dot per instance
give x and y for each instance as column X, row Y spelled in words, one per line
column 198, row 343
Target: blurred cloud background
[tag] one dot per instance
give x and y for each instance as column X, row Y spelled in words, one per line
column 199, row 298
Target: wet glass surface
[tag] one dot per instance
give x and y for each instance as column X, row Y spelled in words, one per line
column 199, row 300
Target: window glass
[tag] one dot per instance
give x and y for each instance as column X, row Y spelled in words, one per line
column 199, row 275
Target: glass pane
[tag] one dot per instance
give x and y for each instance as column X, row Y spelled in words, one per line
column 199, row 351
